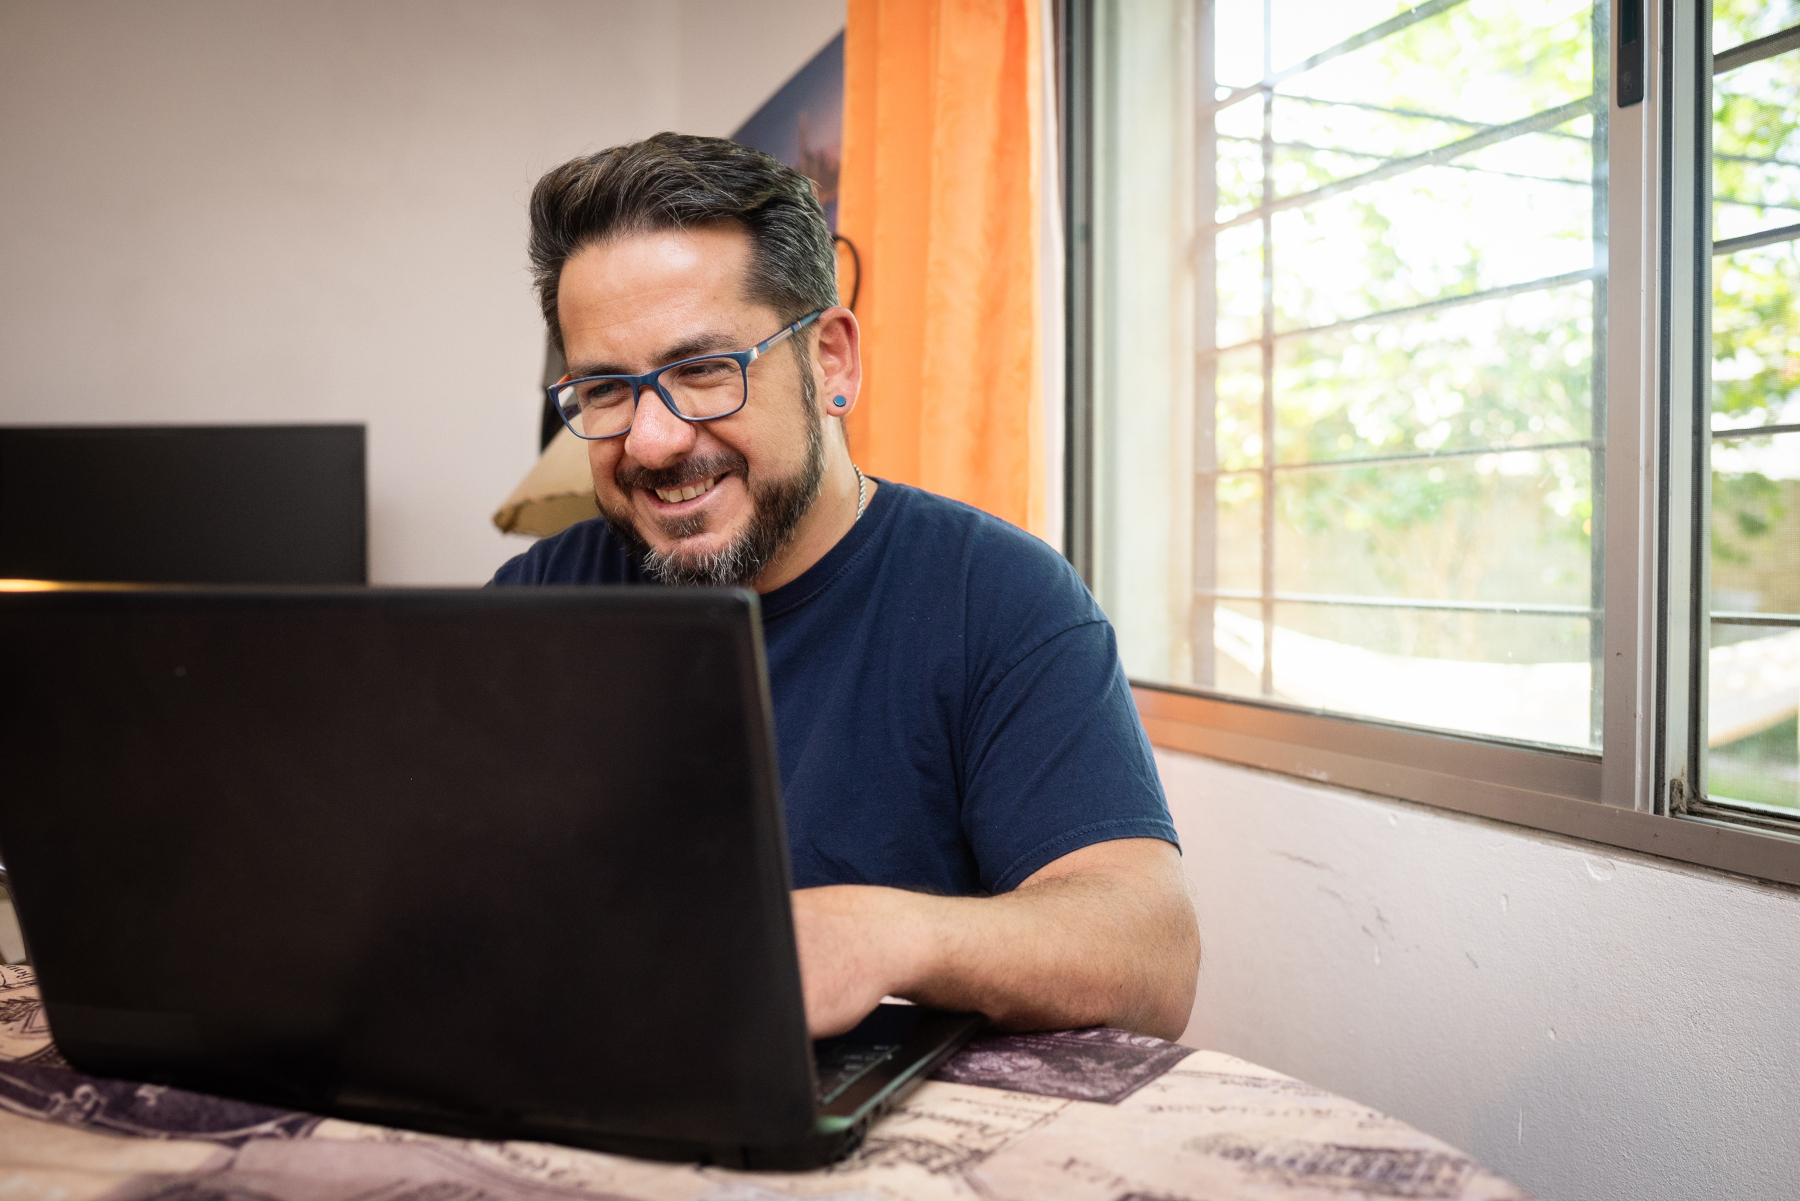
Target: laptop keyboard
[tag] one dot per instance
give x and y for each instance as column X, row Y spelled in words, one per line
column 841, row 1063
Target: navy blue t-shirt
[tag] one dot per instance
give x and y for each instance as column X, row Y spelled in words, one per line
column 950, row 709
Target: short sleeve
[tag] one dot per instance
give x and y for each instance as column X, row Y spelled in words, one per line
column 1058, row 760
column 520, row 569
column 585, row 553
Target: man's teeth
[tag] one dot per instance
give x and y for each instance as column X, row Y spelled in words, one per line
column 671, row 496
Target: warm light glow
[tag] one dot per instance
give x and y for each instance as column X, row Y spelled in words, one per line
column 57, row 586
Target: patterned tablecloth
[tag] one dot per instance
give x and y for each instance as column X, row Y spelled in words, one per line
column 1094, row 1115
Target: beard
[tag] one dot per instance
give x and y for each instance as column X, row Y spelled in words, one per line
column 776, row 507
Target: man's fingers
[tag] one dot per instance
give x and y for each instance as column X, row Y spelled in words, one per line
column 826, row 1019
column 842, row 969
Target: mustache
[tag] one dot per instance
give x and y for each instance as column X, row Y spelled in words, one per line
column 680, row 475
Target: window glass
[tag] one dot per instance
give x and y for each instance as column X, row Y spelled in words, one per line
column 1753, row 669
column 1737, row 22
column 1349, row 313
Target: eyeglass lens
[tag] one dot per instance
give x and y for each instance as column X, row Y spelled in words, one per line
column 701, row 389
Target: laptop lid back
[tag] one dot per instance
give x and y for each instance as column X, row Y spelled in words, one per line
column 511, row 853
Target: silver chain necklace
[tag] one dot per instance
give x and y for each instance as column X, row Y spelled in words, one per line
column 862, row 493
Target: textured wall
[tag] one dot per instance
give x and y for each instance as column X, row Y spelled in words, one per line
column 1595, row 1025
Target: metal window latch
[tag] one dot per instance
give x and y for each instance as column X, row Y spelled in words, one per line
column 1628, row 67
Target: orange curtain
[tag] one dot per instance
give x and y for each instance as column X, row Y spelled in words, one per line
column 939, row 191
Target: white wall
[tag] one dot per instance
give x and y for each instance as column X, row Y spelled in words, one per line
column 1591, row 1023
column 225, row 211
column 736, row 53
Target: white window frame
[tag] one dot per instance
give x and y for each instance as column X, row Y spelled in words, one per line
column 1644, row 790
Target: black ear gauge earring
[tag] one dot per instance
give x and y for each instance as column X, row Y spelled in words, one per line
column 839, row 402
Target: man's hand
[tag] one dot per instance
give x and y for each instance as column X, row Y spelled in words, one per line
column 1103, row 936
column 858, row 944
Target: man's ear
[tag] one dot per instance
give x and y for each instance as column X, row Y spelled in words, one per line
column 838, row 360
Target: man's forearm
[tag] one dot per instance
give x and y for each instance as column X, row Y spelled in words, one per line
column 1104, row 937
column 996, row 955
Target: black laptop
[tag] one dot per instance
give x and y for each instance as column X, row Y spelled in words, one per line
column 502, row 863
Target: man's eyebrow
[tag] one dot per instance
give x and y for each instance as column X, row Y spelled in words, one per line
column 687, row 348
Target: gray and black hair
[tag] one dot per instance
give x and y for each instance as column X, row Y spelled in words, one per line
column 676, row 181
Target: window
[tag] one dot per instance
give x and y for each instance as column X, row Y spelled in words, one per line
column 1397, row 299
column 1747, row 651
column 1393, row 455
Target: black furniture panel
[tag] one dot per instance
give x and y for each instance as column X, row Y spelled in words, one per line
column 203, row 504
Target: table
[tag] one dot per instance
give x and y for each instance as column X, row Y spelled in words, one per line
column 1093, row 1115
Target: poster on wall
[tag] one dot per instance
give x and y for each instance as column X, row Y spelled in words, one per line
column 803, row 124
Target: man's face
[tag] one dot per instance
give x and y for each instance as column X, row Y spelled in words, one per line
column 709, row 502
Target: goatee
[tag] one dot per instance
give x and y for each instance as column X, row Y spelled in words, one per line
column 776, row 509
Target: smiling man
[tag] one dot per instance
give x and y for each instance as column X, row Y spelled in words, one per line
column 974, row 816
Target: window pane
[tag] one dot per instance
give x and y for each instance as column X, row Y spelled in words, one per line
column 1383, row 269
column 1736, row 22
column 1523, row 677
column 1494, row 530
column 1239, row 526
column 1237, row 388
column 1756, row 146
column 1515, row 371
column 1756, row 337
column 1752, row 666
column 1753, row 677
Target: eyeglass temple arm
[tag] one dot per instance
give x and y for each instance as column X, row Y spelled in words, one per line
column 762, row 348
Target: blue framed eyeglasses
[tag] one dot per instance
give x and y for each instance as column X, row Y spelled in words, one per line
column 703, row 388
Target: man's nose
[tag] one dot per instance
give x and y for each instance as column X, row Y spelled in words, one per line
column 657, row 437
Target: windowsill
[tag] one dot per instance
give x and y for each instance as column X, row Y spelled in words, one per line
column 1551, row 789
